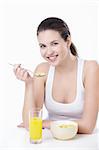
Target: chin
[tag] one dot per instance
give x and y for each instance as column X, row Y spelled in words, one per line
column 54, row 63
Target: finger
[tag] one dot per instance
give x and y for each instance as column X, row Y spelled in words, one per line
column 22, row 74
column 26, row 75
column 21, row 125
column 16, row 66
column 18, row 73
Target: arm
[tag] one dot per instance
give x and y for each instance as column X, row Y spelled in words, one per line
column 28, row 102
column 91, row 83
column 34, row 91
column 23, row 75
column 34, row 95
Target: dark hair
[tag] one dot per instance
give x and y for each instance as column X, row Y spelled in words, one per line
column 59, row 25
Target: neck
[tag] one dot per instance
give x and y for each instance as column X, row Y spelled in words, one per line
column 67, row 65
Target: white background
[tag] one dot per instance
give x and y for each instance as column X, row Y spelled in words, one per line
column 19, row 21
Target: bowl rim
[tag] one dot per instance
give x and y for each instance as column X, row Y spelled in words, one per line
column 67, row 122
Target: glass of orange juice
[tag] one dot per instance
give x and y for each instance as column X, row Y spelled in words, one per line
column 35, row 125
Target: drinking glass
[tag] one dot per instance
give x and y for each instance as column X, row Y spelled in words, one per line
column 35, row 125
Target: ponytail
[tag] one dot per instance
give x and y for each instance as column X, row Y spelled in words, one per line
column 73, row 49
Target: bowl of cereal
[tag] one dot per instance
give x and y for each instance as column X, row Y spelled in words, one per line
column 64, row 129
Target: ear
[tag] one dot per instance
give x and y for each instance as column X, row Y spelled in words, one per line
column 68, row 41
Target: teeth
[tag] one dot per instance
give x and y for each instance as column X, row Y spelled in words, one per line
column 52, row 58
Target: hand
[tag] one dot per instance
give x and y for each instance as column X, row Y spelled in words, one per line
column 21, row 125
column 46, row 123
column 21, row 73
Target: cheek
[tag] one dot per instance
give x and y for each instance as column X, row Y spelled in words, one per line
column 63, row 51
column 42, row 53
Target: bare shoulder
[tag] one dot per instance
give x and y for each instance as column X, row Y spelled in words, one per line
column 91, row 71
column 42, row 68
column 91, row 66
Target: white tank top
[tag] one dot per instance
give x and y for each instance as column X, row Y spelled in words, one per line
column 61, row 111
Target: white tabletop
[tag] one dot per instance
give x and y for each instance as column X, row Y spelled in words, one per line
column 18, row 138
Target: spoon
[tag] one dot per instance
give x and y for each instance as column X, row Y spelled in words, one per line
column 37, row 74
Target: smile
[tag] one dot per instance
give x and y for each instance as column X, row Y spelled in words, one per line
column 52, row 58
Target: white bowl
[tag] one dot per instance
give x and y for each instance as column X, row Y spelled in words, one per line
column 64, row 129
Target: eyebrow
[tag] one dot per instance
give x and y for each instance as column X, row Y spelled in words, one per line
column 50, row 42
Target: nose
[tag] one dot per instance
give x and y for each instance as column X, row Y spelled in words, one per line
column 50, row 51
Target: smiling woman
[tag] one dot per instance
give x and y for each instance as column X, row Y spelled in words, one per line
column 69, row 87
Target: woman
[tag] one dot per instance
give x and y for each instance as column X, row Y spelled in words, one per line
column 69, row 89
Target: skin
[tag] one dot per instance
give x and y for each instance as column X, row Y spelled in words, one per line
column 56, row 52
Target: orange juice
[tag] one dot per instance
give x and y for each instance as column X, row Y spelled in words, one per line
column 35, row 129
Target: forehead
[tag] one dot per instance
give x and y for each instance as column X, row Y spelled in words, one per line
column 48, row 36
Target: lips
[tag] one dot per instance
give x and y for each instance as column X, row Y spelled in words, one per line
column 52, row 58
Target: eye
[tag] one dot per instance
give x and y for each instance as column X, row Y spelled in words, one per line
column 55, row 43
column 42, row 46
